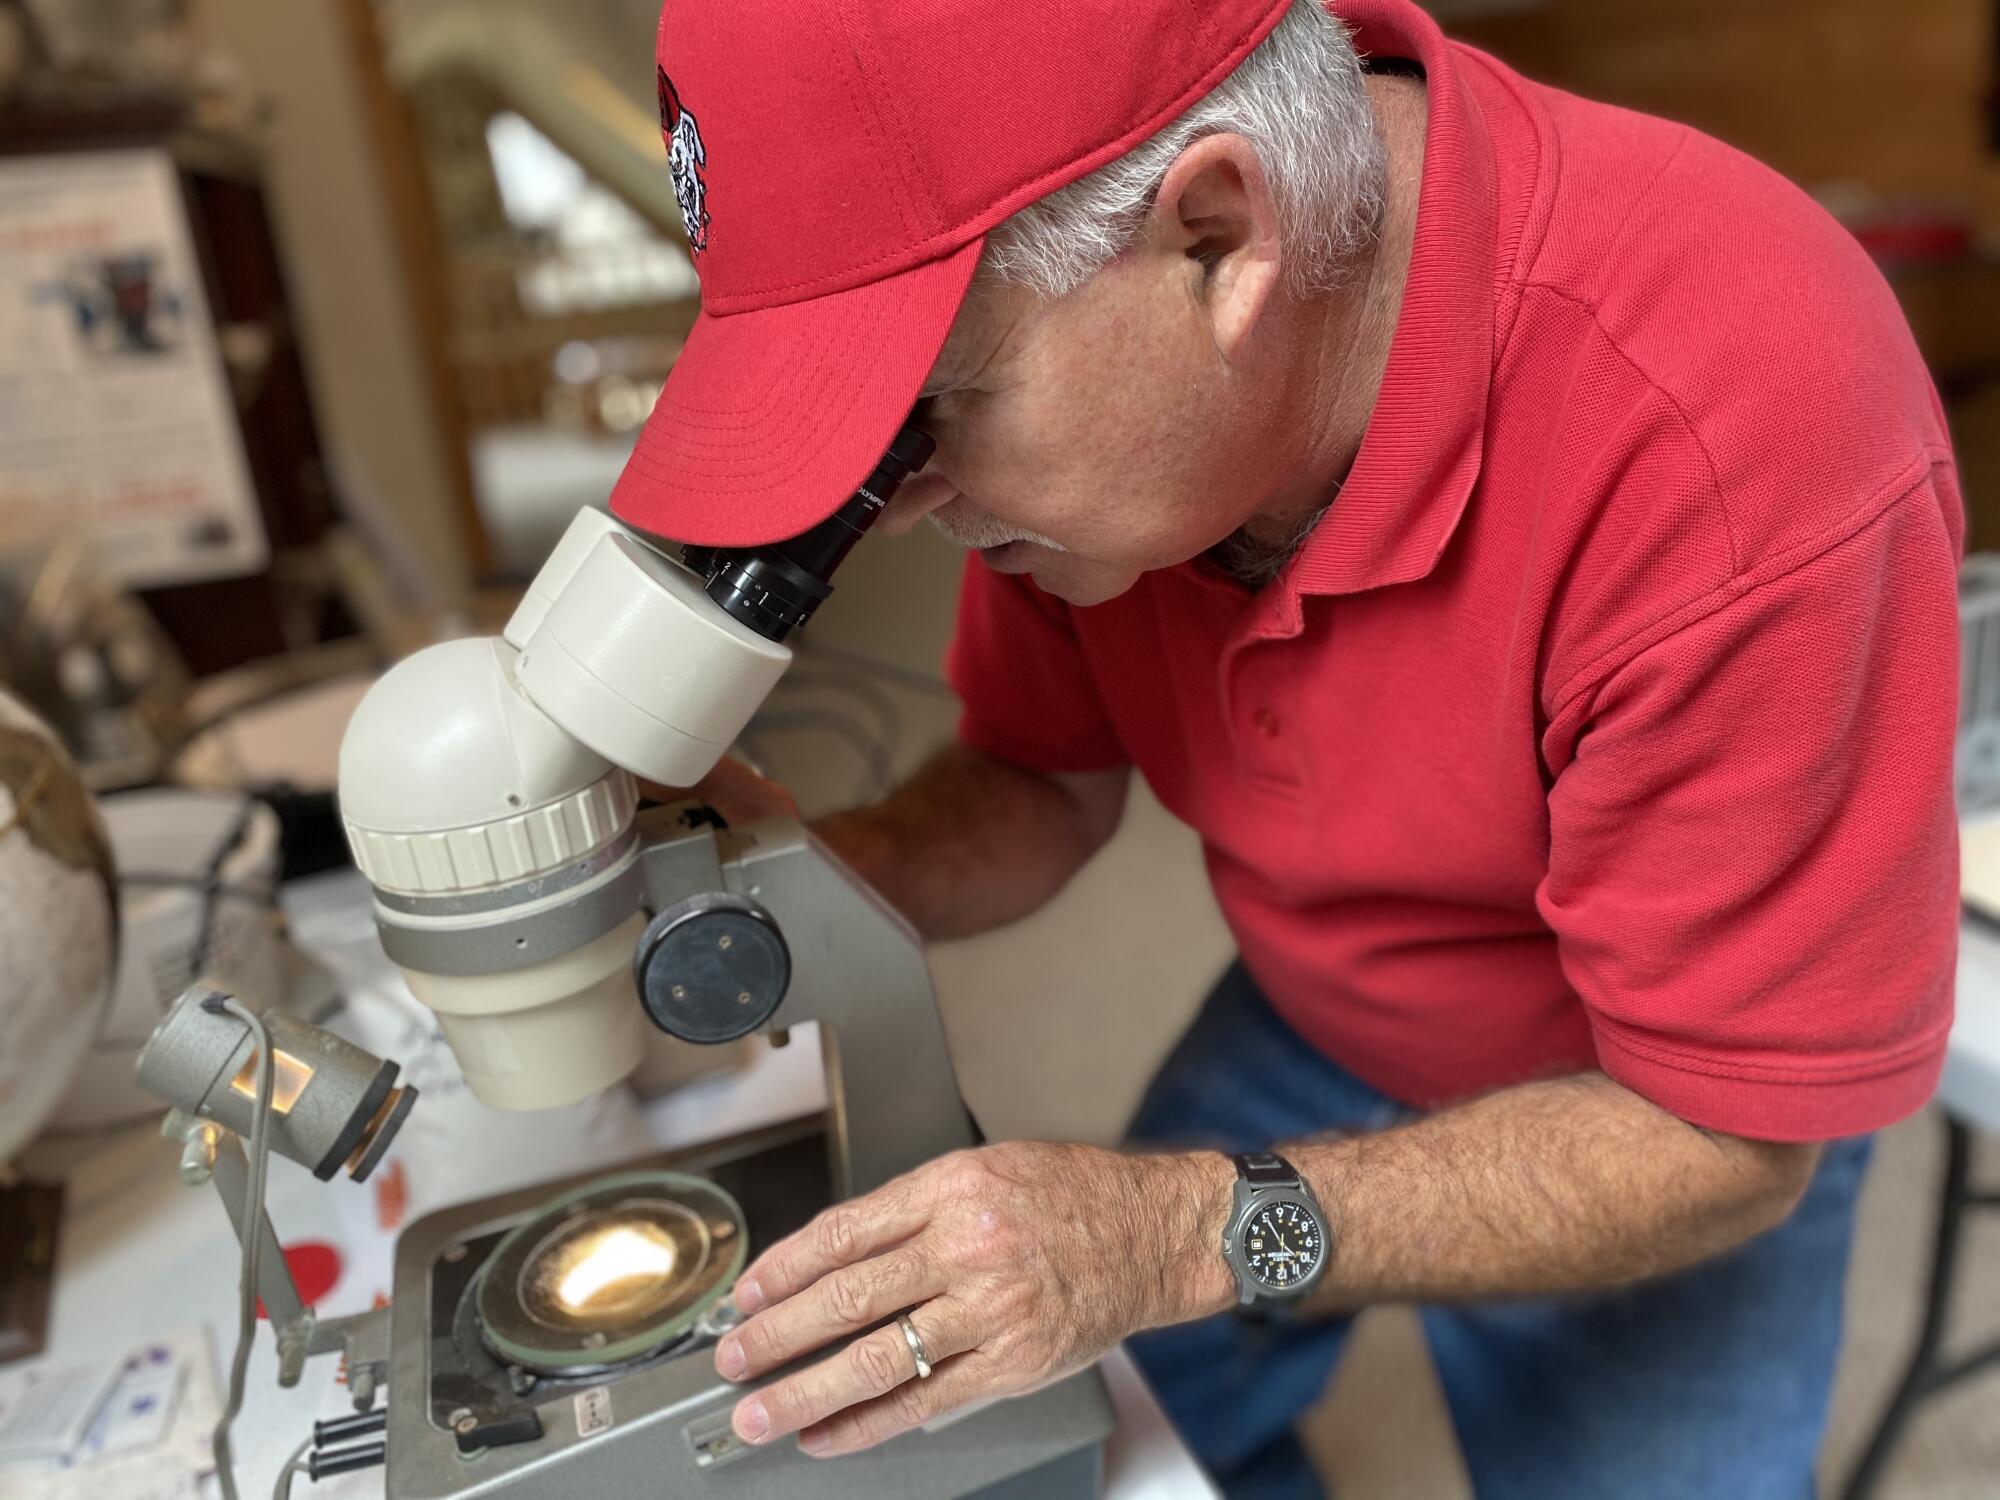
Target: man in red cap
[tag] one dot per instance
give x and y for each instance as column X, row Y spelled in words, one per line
column 1520, row 537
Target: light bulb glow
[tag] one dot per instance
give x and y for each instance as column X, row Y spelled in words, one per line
column 287, row 1083
column 621, row 1254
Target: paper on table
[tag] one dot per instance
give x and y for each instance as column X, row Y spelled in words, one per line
column 140, row 1410
column 45, row 1408
column 150, row 1436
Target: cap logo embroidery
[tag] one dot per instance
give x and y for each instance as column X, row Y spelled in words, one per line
column 686, row 157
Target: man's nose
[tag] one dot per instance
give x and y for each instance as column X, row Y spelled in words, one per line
column 920, row 495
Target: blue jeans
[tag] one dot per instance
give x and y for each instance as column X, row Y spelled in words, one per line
column 1708, row 1384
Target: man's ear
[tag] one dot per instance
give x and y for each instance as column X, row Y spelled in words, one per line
column 1215, row 208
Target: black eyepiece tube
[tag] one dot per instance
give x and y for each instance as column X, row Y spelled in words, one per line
column 774, row 589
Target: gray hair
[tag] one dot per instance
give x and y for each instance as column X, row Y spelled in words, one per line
column 1300, row 99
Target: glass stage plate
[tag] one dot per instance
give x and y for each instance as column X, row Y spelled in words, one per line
column 610, row 1272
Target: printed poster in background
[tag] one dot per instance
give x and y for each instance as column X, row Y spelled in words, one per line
column 115, row 414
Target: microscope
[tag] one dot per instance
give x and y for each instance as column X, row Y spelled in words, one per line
column 558, row 1341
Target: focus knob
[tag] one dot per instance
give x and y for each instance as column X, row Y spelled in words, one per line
column 712, row 968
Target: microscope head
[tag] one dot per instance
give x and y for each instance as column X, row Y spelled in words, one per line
column 487, row 786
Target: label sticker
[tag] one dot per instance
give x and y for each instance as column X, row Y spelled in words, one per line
column 593, row 1411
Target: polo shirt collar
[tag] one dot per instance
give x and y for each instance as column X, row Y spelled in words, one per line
column 1420, row 455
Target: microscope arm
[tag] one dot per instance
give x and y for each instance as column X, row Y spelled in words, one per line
column 891, row 1089
column 857, row 968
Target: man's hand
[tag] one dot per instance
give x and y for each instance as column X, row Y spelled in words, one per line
column 1017, row 1264
column 1020, row 1263
column 740, row 794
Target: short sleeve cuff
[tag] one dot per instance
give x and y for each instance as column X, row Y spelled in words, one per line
column 1795, row 1104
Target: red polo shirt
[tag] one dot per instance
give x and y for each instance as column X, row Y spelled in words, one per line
column 1606, row 719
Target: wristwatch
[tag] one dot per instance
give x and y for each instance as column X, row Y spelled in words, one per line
column 1276, row 1240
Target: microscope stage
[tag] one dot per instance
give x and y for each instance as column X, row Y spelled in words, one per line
column 613, row 1272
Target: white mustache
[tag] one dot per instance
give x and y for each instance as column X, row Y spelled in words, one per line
column 977, row 530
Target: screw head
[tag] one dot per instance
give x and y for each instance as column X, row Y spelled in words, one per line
column 680, row 992
column 725, row 941
column 463, row 1420
column 743, row 997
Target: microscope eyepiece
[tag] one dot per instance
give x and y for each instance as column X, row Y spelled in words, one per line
column 774, row 589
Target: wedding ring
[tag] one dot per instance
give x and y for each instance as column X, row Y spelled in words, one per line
column 916, row 1346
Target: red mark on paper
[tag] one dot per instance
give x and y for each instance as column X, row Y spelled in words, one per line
column 315, row 1269
column 392, row 1196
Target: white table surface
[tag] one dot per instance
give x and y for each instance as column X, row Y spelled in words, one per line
column 141, row 1255
column 1970, row 1087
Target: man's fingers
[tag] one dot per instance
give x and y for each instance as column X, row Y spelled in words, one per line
column 738, row 791
column 733, row 789
column 968, row 1378
column 842, row 1235
column 845, row 1300
column 867, row 1370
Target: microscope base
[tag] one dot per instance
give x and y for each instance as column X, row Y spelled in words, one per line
column 660, row 1425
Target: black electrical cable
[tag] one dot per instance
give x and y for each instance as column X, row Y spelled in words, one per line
column 221, row 889
column 211, row 882
column 213, row 891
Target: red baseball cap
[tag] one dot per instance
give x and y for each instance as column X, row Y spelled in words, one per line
column 838, row 164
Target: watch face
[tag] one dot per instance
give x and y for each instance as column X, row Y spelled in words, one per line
column 1282, row 1246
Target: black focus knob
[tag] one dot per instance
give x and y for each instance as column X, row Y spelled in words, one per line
column 712, row 968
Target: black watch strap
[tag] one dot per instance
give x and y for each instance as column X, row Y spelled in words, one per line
column 1266, row 1169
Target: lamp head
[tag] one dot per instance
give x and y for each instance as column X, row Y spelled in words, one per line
column 333, row 1105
